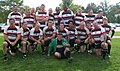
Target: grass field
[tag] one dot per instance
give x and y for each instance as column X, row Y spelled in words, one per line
column 117, row 34
column 82, row 62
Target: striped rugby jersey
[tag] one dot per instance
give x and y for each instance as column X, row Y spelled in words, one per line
column 17, row 16
column 12, row 32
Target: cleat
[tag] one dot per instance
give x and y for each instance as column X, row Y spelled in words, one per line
column 70, row 60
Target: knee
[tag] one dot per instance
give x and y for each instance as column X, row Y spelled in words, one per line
column 67, row 49
column 109, row 42
column 57, row 55
column 5, row 43
column 23, row 42
column 104, row 45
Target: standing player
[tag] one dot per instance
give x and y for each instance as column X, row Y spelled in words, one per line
column 16, row 15
column 56, row 17
column 82, row 36
column 12, row 36
column 36, row 37
column 78, row 17
column 29, row 19
column 42, row 16
column 50, row 13
column 66, row 15
column 108, row 28
column 99, row 17
column 22, row 11
column 49, row 33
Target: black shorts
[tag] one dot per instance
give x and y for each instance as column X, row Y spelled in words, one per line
column 108, row 38
column 82, row 42
column 61, row 51
column 47, row 43
column 72, row 42
column 31, row 42
column 97, row 45
column 12, row 48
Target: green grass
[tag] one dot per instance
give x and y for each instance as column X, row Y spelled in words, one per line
column 82, row 62
column 117, row 33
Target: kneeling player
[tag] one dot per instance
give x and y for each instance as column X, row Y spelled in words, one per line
column 36, row 37
column 82, row 37
column 99, row 39
column 24, row 38
column 49, row 34
column 108, row 28
column 12, row 36
column 60, row 46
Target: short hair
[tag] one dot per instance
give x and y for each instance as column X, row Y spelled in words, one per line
column 12, row 19
column 71, row 21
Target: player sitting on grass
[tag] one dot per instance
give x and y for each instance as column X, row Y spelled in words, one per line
column 60, row 47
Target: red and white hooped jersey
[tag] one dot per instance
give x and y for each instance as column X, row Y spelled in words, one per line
column 17, row 16
column 12, row 32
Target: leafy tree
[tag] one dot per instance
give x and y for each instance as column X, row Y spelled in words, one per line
column 6, row 7
column 91, row 6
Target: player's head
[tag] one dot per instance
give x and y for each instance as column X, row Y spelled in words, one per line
column 65, row 8
column 50, row 10
column 42, row 7
column 15, row 8
column 95, row 24
column 24, row 24
column 71, row 23
column 12, row 21
column 90, row 12
column 37, row 26
column 57, row 9
column 59, row 36
column 61, row 25
column 105, row 20
column 79, row 11
column 50, row 23
column 100, row 12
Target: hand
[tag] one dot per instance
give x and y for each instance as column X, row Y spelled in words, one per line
column 38, row 42
column 28, row 42
column 65, row 44
column 13, row 43
column 48, row 55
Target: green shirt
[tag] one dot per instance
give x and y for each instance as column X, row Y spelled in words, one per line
column 54, row 44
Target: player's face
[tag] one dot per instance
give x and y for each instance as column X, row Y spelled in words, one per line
column 25, row 25
column 61, row 26
column 105, row 21
column 50, row 10
column 28, row 13
column 50, row 24
column 90, row 12
column 37, row 26
column 15, row 9
column 42, row 7
column 95, row 24
column 59, row 37
column 12, row 22
column 70, row 24
column 79, row 11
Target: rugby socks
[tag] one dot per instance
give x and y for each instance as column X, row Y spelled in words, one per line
column 68, row 54
column 42, row 46
column 5, row 57
column 109, row 48
column 104, row 53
